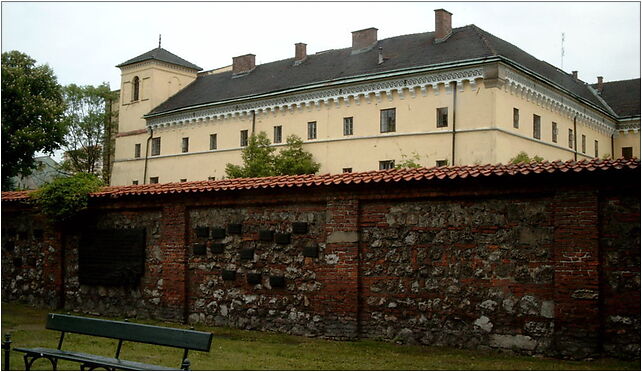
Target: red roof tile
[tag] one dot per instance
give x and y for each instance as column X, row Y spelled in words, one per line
column 383, row 176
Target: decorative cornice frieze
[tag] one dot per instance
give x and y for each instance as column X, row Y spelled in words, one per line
column 172, row 66
column 411, row 85
column 629, row 125
column 532, row 91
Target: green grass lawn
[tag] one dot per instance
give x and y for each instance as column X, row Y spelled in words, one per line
column 249, row 350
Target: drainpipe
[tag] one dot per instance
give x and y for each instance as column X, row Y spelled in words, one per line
column 151, row 134
column 612, row 146
column 454, row 84
column 253, row 121
column 575, row 137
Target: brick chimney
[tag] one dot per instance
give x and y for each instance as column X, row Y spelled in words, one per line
column 600, row 83
column 300, row 52
column 574, row 74
column 443, row 25
column 363, row 40
column 243, row 64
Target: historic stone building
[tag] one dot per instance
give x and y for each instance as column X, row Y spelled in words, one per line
column 453, row 96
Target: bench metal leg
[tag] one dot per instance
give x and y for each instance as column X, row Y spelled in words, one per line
column 30, row 358
column 91, row 367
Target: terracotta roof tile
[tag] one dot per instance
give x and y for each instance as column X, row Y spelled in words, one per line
column 387, row 176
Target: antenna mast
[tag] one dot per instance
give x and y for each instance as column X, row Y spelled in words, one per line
column 562, row 51
column 159, row 40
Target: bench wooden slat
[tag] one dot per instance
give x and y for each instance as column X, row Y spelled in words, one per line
column 174, row 337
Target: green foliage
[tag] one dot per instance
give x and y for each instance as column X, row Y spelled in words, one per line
column 294, row 160
column 523, row 157
column 411, row 161
column 86, row 117
column 32, row 114
column 65, row 197
column 259, row 159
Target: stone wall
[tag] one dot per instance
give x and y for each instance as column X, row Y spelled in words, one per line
column 548, row 267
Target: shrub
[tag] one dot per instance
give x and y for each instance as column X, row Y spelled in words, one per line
column 65, row 197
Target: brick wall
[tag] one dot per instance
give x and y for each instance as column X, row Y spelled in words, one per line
column 537, row 266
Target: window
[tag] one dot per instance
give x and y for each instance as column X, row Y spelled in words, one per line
column 554, row 132
column 278, row 134
column 137, row 150
column 388, row 120
column 347, row 170
column 185, row 144
column 537, row 127
column 312, row 130
column 135, row 88
column 135, row 182
column 156, row 146
column 183, row 180
column 515, row 118
column 583, row 144
column 211, row 178
column 244, row 138
column 441, row 163
column 213, row 144
column 570, row 138
column 347, row 126
column 442, row 117
column 386, row 164
column 597, row 148
column 153, row 179
column 627, row 152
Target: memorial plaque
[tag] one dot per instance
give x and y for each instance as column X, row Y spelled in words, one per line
column 277, row 281
column 217, row 248
column 17, row 262
column 281, row 238
column 254, row 278
column 202, row 232
column 266, row 235
column 311, row 250
column 234, row 228
column 218, row 233
column 228, row 275
column 112, row 257
column 38, row 234
column 199, row 249
column 300, row 228
column 247, row 254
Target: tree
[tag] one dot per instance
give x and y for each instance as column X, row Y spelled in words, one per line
column 32, row 114
column 86, row 117
column 523, row 157
column 294, row 160
column 259, row 159
column 409, row 161
column 65, row 197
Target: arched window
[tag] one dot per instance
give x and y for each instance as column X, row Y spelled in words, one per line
column 136, row 88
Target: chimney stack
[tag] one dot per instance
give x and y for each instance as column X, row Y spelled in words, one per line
column 300, row 52
column 600, row 83
column 443, row 25
column 574, row 74
column 363, row 40
column 243, row 64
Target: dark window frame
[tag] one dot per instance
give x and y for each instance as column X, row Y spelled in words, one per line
column 571, row 139
column 583, row 144
column 386, row 164
column 537, row 126
column 278, row 134
column 442, row 117
column 244, row 140
column 185, row 144
column 135, row 89
column 388, row 120
column 153, row 180
column 515, row 118
column 137, row 150
column 213, row 141
column 554, row 132
column 312, row 130
column 627, row 152
column 156, row 146
column 348, row 126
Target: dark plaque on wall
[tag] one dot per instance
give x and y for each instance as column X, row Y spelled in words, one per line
column 266, row 235
column 254, row 278
column 202, row 232
column 247, row 254
column 277, row 281
column 217, row 248
column 311, row 250
column 17, row 262
column 111, row 257
column 199, row 249
column 218, row 233
column 228, row 275
column 38, row 234
column 234, row 228
column 281, row 238
column 300, row 227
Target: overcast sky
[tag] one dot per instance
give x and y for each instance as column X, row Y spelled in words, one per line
column 83, row 41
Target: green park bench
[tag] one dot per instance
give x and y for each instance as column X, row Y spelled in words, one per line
column 121, row 331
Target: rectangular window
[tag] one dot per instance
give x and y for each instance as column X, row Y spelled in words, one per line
column 537, row 127
column 211, row 178
column 135, row 182
column 312, row 130
column 627, row 152
column 386, row 164
column 583, row 144
column 153, row 179
column 278, row 134
column 554, row 132
column 183, row 180
column 597, row 149
column 570, row 138
column 515, row 118
column 388, row 120
column 442, row 117
column 244, row 138
column 156, row 146
column 185, row 144
column 347, row 126
column 347, row 170
column 213, row 142
column 137, row 150
column 441, row 163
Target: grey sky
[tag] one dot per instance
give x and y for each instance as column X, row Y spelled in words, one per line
column 83, row 42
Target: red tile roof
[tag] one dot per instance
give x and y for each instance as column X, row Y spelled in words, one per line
column 385, row 176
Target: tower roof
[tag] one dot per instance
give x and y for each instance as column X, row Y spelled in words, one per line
column 163, row 55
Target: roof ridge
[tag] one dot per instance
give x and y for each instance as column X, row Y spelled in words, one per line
column 485, row 40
